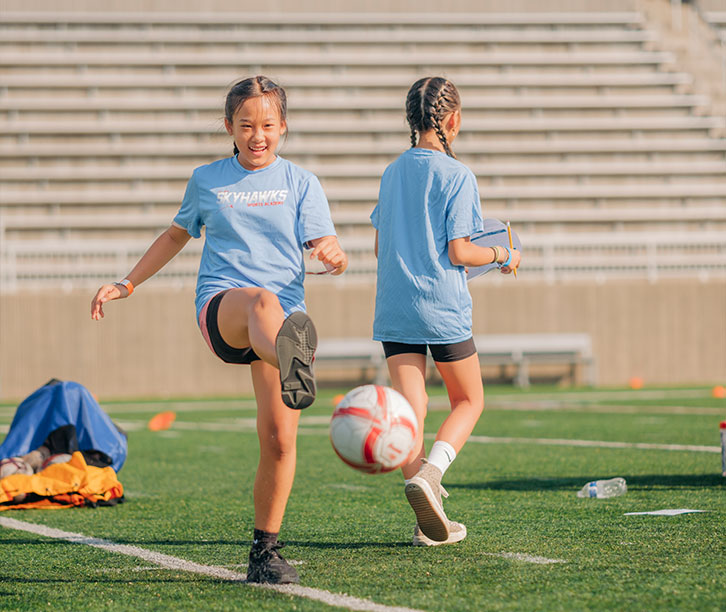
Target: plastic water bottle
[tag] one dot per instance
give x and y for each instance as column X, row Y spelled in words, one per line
column 604, row 488
column 722, row 427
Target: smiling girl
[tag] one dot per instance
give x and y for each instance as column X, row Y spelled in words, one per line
column 259, row 211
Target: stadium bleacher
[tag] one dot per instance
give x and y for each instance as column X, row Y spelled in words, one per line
column 581, row 129
column 718, row 19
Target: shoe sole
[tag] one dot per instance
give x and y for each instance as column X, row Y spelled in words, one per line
column 272, row 580
column 430, row 516
column 295, row 348
column 454, row 537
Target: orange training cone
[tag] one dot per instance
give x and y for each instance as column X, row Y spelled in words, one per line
column 162, row 421
column 636, row 382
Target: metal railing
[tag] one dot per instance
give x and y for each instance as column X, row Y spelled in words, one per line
column 550, row 258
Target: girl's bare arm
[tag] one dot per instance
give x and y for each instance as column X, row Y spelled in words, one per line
column 160, row 253
column 463, row 252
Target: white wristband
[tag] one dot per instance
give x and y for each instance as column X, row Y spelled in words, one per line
column 126, row 283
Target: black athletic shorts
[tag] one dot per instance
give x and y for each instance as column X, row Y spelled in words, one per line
column 443, row 353
column 224, row 351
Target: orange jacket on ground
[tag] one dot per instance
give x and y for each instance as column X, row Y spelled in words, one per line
column 61, row 485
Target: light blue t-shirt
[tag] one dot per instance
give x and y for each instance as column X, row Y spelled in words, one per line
column 256, row 224
column 426, row 199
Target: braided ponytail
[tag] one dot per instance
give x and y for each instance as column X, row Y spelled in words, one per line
column 436, row 120
column 428, row 101
column 413, row 138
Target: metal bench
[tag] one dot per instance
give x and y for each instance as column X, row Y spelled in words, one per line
column 523, row 350
column 344, row 353
column 519, row 350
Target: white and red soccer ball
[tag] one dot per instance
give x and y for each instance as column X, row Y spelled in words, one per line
column 374, row 429
column 14, row 465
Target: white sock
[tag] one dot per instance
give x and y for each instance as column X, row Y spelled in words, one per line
column 442, row 455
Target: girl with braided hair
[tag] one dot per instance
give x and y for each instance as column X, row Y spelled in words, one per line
column 428, row 208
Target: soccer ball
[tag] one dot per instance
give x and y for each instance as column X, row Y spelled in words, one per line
column 14, row 465
column 58, row 458
column 374, row 429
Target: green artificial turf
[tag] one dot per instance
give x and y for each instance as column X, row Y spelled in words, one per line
column 189, row 495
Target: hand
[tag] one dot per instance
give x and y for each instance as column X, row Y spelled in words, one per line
column 328, row 251
column 516, row 259
column 106, row 294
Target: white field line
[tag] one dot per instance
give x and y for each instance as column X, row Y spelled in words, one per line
column 599, row 409
column 592, row 443
column 175, row 563
column 536, row 405
column 304, row 429
column 228, row 425
column 625, row 394
column 153, row 407
column 244, row 425
column 156, row 568
column 526, row 558
column 695, row 448
column 583, row 401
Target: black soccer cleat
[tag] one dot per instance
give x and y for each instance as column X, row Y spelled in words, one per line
column 267, row 566
column 295, row 347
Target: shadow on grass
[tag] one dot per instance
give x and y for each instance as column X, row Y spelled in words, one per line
column 644, row 481
column 139, row 543
column 348, row 545
column 182, row 578
column 241, row 543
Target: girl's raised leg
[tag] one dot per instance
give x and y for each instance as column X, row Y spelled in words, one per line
column 251, row 316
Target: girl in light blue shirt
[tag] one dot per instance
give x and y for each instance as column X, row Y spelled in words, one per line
column 428, row 208
column 258, row 211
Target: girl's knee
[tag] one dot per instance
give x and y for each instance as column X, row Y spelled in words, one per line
column 278, row 442
column 419, row 403
column 473, row 406
column 266, row 301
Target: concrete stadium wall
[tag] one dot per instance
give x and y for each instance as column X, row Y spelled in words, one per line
column 711, row 5
column 149, row 346
column 313, row 6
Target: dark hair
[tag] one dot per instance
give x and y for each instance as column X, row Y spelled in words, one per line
column 254, row 87
column 428, row 101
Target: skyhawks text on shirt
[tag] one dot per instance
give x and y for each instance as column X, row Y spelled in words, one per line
column 270, row 197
